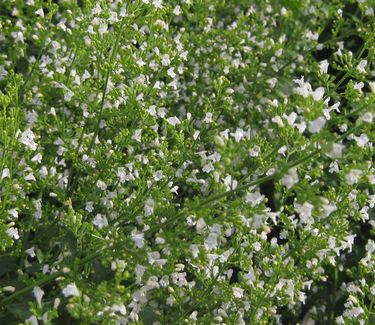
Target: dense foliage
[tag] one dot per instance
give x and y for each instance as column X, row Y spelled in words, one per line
column 187, row 162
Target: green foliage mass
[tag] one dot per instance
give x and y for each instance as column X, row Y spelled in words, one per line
column 187, row 162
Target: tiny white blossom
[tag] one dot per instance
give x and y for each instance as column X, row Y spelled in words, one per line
column 237, row 292
column 13, row 233
column 32, row 320
column 137, row 135
column 323, row 66
column 272, row 82
column 102, row 185
column 304, row 212
column 318, row 93
column 362, row 140
column 173, row 120
column 38, row 294
column 70, row 290
column 5, row 173
column 100, row 221
column 257, row 246
column 353, row 176
column 89, row 206
column 158, row 4
column 171, row 72
column 211, row 241
column 40, row 12
column 367, row 117
column 119, row 309
column 138, row 240
column 13, row 213
column 316, row 125
column 290, row 178
column 254, row 198
column 361, row 66
column 37, row 158
column 158, row 175
column 27, row 138
column 149, row 207
column 165, row 60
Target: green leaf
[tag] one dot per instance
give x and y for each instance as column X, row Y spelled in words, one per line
column 20, row 310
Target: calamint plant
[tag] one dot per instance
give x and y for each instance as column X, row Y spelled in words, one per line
column 187, row 162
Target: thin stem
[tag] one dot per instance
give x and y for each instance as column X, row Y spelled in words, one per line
column 72, row 183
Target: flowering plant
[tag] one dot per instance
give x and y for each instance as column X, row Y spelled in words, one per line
column 187, row 162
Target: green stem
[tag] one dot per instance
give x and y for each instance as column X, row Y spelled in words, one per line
column 42, row 282
column 72, row 183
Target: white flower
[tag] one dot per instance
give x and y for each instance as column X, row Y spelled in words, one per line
column 353, row 176
column 13, row 233
column 323, row 66
column 68, row 95
column 119, row 309
column 158, row 4
column 177, row 10
column 238, row 135
column 70, row 290
column 165, row 60
column 171, row 72
column 358, row 86
column 304, row 212
column 38, row 157
column 316, row 125
column 13, row 213
column 103, row 28
column 139, row 271
column 158, row 175
column 254, row 198
column 312, row 36
column 237, row 292
column 194, row 315
column 208, row 117
column 40, row 12
column 290, row 178
column 31, row 251
column 32, row 320
column 282, row 150
column 361, row 66
column 211, row 241
column 5, row 173
column 137, row 135
column 173, row 120
column 318, row 93
column 272, row 82
column 291, row 118
column 89, row 206
column 27, row 138
column 335, row 150
column 138, row 240
column 149, row 207
column 30, row 177
column 100, row 184
column 367, row 117
column 304, row 88
column 38, row 294
column 100, row 221
column 277, row 119
column 362, row 140
column 257, row 246
column 8, row 289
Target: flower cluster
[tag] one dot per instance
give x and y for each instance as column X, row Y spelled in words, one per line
column 187, row 162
